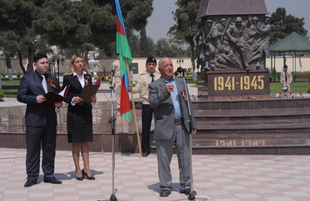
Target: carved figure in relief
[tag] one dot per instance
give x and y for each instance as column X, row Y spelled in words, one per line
column 235, row 35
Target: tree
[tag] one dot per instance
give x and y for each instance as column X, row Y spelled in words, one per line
column 134, row 44
column 16, row 31
column 186, row 24
column 89, row 23
column 283, row 25
column 164, row 49
column 81, row 25
column 150, row 46
column 143, row 43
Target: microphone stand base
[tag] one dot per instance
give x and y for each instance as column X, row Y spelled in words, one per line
column 113, row 198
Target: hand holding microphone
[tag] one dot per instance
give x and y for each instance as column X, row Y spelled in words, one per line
column 169, row 88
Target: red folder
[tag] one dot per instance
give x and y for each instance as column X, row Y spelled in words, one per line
column 88, row 91
column 53, row 97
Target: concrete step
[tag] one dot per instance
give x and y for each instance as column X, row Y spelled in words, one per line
column 246, row 127
column 252, row 112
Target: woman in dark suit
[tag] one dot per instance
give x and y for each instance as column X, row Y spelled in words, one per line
column 79, row 116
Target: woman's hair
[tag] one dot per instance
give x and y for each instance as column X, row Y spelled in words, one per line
column 70, row 69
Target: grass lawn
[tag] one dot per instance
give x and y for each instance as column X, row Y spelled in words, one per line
column 296, row 87
column 10, row 87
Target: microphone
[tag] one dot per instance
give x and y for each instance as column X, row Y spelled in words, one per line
column 112, row 71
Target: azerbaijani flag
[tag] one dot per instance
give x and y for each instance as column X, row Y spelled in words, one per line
column 122, row 47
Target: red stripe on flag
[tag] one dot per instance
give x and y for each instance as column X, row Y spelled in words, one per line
column 120, row 28
column 124, row 99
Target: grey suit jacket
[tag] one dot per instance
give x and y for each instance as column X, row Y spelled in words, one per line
column 164, row 113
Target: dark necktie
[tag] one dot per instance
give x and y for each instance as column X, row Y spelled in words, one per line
column 152, row 75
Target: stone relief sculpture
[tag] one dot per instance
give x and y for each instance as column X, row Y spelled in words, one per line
column 234, row 42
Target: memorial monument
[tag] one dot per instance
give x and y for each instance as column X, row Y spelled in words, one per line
column 232, row 34
column 232, row 42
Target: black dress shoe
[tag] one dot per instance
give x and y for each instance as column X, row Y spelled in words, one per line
column 164, row 193
column 87, row 177
column 145, row 154
column 79, row 178
column 185, row 191
column 29, row 183
column 52, row 181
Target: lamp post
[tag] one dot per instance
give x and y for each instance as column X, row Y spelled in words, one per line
column 180, row 61
column 57, row 68
column 180, row 69
column 62, row 63
column 56, row 62
column 92, row 66
column 53, row 62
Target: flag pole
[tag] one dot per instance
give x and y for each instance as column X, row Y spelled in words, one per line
column 134, row 112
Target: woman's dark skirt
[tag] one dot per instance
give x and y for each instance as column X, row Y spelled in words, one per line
column 80, row 126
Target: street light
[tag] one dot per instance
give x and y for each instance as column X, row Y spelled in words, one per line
column 180, row 69
column 56, row 61
column 53, row 62
column 180, row 61
column 92, row 66
column 58, row 68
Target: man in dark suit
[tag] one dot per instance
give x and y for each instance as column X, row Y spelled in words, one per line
column 174, row 122
column 40, row 120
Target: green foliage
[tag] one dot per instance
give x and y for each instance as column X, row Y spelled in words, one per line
column 3, row 74
column 308, row 89
column 186, row 23
column 296, row 87
column 164, row 49
column 16, row 32
column 80, row 25
column 282, row 25
column 176, row 73
column 10, row 87
column 1, row 95
column 18, row 75
column 196, row 81
column 185, row 17
column 102, row 78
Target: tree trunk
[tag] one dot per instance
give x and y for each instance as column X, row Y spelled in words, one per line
column 20, row 59
column 8, row 61
column 31, row 52
column 143, row 43
column 9, row 66
column 192, row 45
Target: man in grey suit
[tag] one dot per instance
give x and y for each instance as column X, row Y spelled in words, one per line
column 40, row 120
column 174, row 122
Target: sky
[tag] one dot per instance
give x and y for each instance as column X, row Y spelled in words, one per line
column 162, row 19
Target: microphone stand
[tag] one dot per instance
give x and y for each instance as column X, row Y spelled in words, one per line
column 193, row 193
column 112, row 122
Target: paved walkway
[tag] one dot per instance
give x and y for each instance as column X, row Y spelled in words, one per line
column 216, row 177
